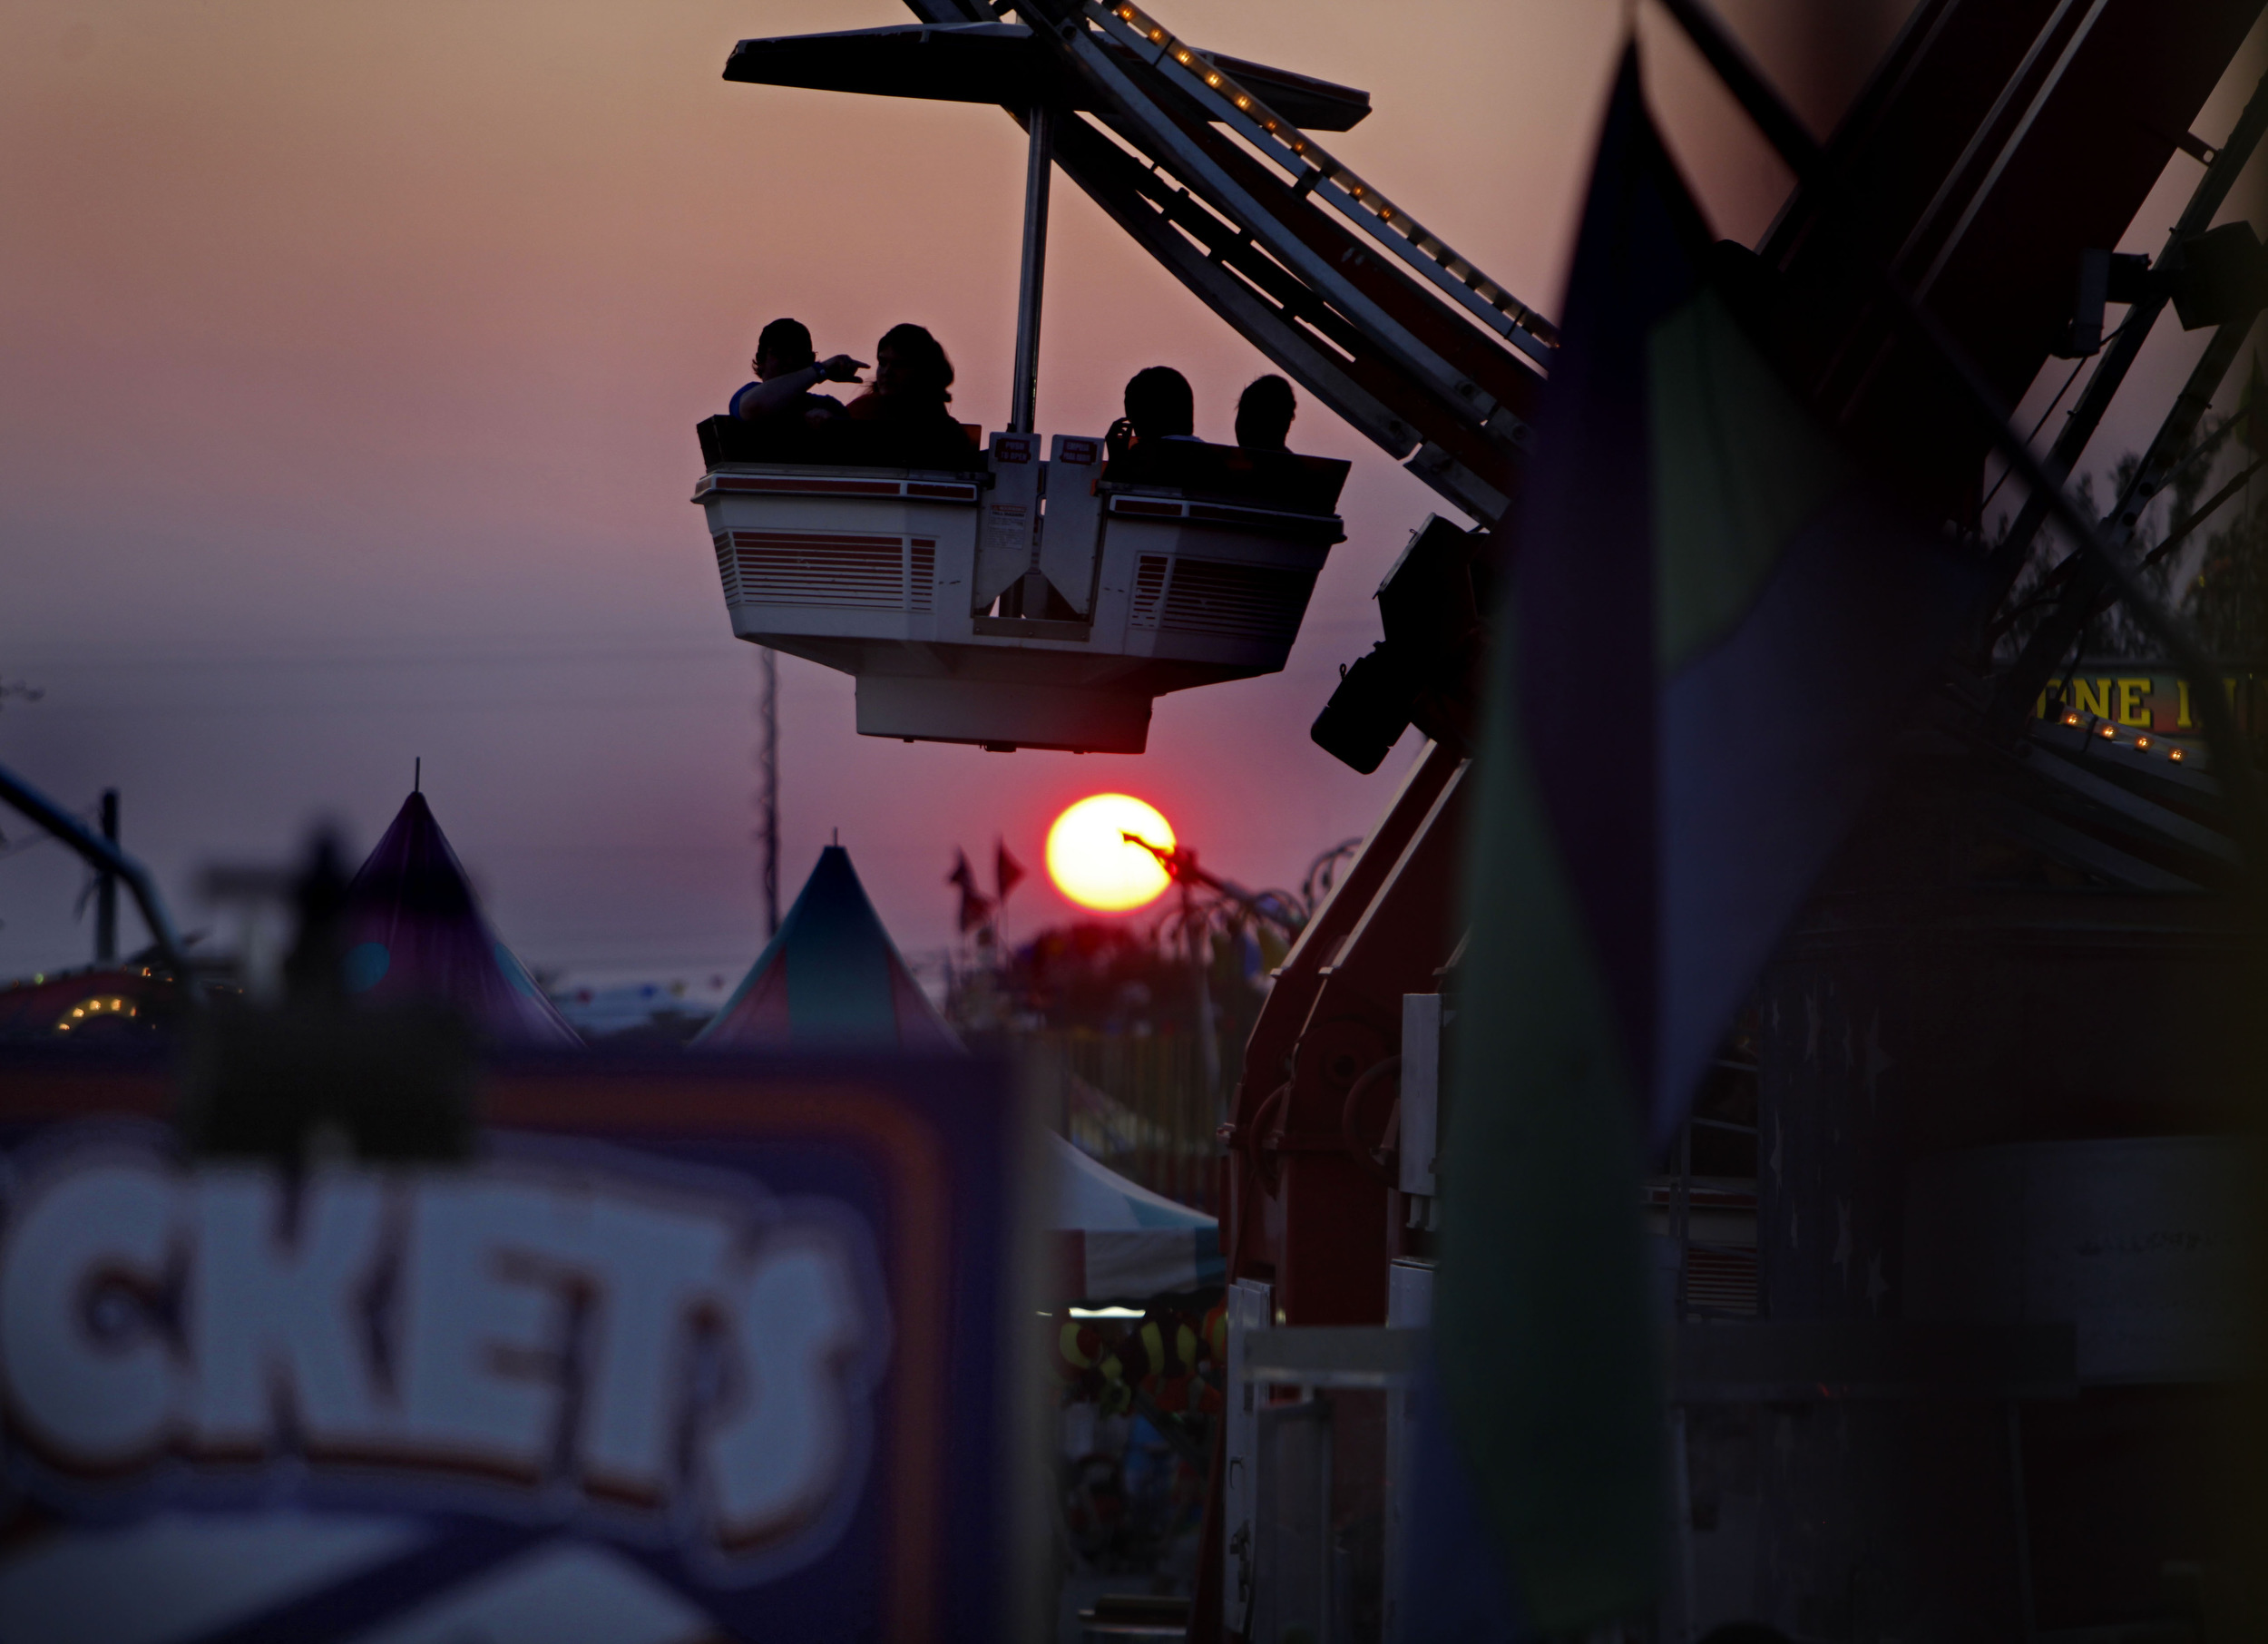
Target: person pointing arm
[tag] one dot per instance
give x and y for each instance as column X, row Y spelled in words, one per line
column 786, row 373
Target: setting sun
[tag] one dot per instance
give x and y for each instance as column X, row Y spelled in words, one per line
column 1091, row 862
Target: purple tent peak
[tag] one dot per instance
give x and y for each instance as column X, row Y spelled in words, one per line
column 415, row 932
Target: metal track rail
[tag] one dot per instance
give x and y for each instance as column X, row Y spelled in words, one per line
column 1375, row 315
column 1325, row 179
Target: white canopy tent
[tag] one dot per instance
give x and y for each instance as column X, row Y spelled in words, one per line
column 1117, row 1240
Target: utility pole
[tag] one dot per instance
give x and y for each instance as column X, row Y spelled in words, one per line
column 106, row 889
column 767, row 774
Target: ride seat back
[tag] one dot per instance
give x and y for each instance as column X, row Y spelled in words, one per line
column 1271, row 479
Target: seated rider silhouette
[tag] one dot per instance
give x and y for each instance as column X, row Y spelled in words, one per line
column 1159, row 407
column 781, row 399
column 901, row 420
column 1264, row 413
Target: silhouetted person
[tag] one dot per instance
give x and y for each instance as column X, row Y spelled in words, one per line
column 1159, row 406
column 907, row 405
column 1264, row 414
column 786, row 373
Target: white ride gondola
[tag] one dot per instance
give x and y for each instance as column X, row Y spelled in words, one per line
column 1015, row 602
column 1001, row 599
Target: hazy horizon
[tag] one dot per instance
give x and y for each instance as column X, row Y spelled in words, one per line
column 354, row 358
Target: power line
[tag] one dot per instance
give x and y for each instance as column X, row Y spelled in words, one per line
column 171, row 708
column 80, row 661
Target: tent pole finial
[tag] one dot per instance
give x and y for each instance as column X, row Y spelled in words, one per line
column 417, row 775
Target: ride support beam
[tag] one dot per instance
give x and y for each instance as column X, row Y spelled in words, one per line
column 2086, row 413
column 1441, row 394
column 1039, row 167
column 1252, row 1214
column 1388, row 305
column 1333, row 1254
column 2088, row 582
column 1303, row 1206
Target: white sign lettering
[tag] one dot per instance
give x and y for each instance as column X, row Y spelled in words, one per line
column 648, row 1345
column 89, row 1377
column 269, row 1319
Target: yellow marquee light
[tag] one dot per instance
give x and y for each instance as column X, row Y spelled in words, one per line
column 87, row 1008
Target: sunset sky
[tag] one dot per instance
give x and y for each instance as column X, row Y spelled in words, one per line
column 352, row 357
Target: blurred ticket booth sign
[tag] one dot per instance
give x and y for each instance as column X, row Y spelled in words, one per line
column 684, row 1349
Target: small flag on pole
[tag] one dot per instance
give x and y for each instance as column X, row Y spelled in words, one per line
column 1007, row 872
column 976, row 907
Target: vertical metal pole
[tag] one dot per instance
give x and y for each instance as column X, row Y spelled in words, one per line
column 1206, row 1099
column 1681, row 1462
column 106, row 889
column 768, row 796
column 106, row 857
column 1681, row 1218
column 2026, row 1609
column 1038, row 168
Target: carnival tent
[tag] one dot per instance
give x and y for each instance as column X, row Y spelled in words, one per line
column 1116, row 1240
column 415, row 932
column 830, row 978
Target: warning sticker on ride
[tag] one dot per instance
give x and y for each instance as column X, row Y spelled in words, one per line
column 683, row 1351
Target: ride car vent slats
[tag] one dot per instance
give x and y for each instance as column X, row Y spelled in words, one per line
column 1245, row 601
column 922, row 579
column 843, row 570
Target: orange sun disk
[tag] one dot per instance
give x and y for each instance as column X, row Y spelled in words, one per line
column 1092, row 862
